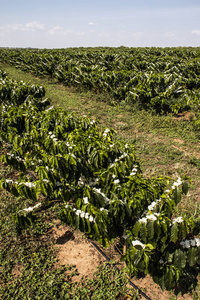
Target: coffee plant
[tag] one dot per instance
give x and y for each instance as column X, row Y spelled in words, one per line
column 98, row 182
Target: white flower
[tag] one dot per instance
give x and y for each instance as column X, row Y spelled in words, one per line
column 157, row 214
column 9, row 181
column 103, row 209
column 197, row 240
column 78, row 212
column 116, row 181
column 143, row 220
column 151, row 217
column 92, row 122
column 182, row 244
column 161, row 261
column 138, row 243
column 82, row 215
column 114, row 176
column 30, row 208
column 45, row 180
column 167, row 191
column 132, row 173
column 30, row 184
column 134, row 170
column 86, row 215
column 112, row 165
column 152, row 205
column 85, row 199
column 58, row 183
column 91, row 219
column 106, row 132
column 177, row 220
column 187, row 244
column 193, row 243
column 102, row 194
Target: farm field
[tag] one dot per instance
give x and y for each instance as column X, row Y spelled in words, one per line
column 164, row 134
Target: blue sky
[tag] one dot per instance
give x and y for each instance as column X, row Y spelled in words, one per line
column 90, row 23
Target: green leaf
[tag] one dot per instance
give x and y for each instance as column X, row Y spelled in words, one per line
column 177, row 195
column 174, row 232
column 185, row 187
column 192, row 256
column 150, row 229
column 180, row 258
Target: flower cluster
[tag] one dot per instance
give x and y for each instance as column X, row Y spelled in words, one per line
column 53, row 137
column 176, row 183
column 98, row 191
column 74, row 156
column 151, row 217
column 10, row 181
column 134, row 171
column 118, row 159
column 68, row 145
column 16, row 157
column 152, row 206
column 45, row 180
column 103, row 209
column 82, row 180
column 82, row 214
column 29, row 209
column 85, row 200
column 106, row 132
column 116, row 181
column 177, row 220
column 92, row 122
column 188, row 243
column 138, row 243
column 29, row 184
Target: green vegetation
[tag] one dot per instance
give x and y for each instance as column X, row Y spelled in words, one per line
column 160, row 146
column 165, row 80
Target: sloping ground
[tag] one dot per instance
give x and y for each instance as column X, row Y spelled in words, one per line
column 162, row 151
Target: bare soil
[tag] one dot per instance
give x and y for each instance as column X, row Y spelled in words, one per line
column 75, row 249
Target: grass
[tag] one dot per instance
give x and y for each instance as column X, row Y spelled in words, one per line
column 29, row 268
column 165, row 145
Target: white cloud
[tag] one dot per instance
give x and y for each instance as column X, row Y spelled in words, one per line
column 31, row 26
column 196, row 32
column 58, row 30
column 92, row 24
column 34, row 26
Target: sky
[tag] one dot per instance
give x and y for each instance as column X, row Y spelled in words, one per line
column 92, row 23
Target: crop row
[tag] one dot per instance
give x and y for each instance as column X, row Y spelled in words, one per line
column 167, row 80
column 100, row 186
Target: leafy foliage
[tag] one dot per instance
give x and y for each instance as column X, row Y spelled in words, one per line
column 166, row 80
column 100, row 186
